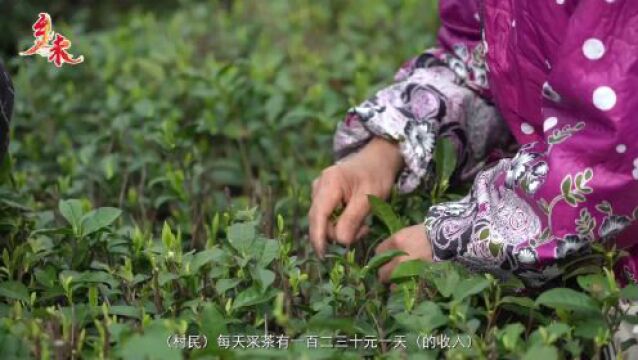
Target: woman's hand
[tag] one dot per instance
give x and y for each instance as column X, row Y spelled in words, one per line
column 372, row 170
column 413, row 241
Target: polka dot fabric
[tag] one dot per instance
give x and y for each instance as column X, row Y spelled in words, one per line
column 568, row 95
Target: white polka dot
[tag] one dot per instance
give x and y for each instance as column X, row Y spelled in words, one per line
column 621, row 148
column 636, row 162
column 549, row 66
column 527, row 129
column 560, row 2
column 610, row 1
column 593, row 49
column 604, row 98
column 513, row 23
column 635, row 173
column 477, row 17
column 549, row 123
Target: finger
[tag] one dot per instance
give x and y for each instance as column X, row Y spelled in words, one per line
column 387, row 244
column 386, row 270
column 330, row 231
column 363, row 231
column 315, row 187
column 351, row 219
column 322, row 206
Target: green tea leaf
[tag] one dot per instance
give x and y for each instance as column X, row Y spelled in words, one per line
column 589, row 328
column 524, row 302
column 567, row 299
column 445, row 278
column 89, row 277
column 72, row 211
column 126, row 310
column 594, row 284
column 241, row 236
column 14, row 290
column 223, row 285
column 541, row 352
column 150, row 345
column 426, row 317
column 269, row 253
column 265, row 278
column 384, row 212
column 204, row 257
column 444, row 159
column 379, row 260
column 629, row 292
column 98, row 219
column 212, row 324
column 13, row 347
column 253, row 296
column 468, row 287
column 510, row 335
column 557, row 331
column 406, row 269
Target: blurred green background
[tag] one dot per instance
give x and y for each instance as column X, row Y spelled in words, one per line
column 184, row 115
column 184, row 107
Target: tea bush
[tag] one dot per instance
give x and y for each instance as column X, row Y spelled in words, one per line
column 160, row 189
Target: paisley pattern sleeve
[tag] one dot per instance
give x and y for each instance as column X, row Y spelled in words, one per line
column 428, row 100
column 441, row 93
column 577, row 186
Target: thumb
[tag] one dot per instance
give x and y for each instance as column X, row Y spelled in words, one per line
column 351, row 219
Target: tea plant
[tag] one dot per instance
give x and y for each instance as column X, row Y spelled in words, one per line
column 160, row 189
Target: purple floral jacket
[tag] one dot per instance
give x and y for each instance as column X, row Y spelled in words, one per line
column 560, row 78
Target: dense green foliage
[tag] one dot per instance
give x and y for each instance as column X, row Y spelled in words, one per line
column 161, row 188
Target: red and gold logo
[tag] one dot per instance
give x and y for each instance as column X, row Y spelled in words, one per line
column 49, row 44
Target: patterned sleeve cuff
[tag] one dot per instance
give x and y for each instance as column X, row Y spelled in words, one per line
column 471, row 230
column 413, row 112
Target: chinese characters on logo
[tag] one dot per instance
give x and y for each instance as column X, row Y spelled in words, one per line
column 49, row 44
